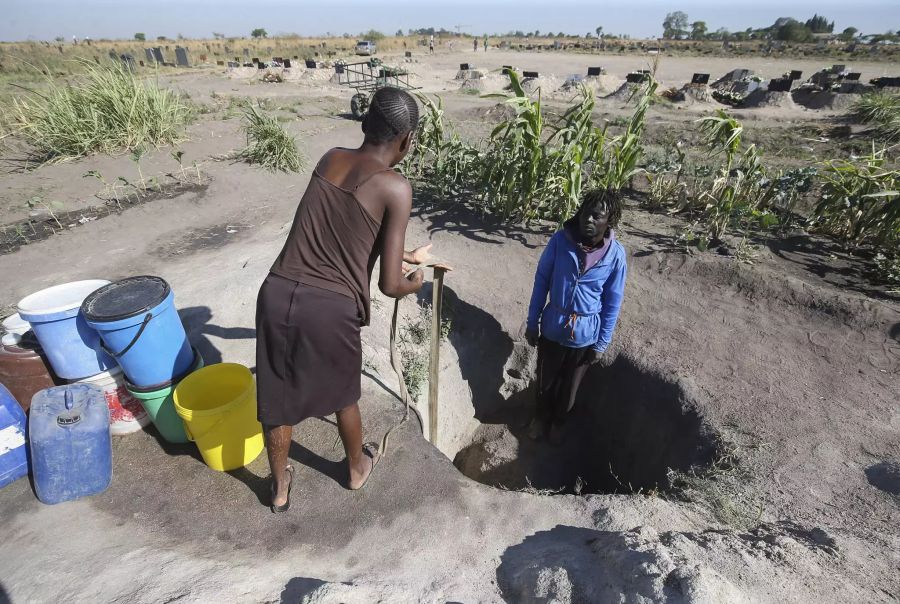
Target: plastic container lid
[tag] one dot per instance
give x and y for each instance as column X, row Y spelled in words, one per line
column 125, row 298
column 57, row 299
column 15, row 324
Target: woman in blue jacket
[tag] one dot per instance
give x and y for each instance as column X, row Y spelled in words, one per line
column 583, row 271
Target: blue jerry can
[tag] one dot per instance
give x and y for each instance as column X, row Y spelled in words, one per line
column 13, row 451
column 71, row 449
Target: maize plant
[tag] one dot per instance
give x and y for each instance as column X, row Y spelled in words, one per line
column 513, row 172
column 739, row 190
column 619, row 162
column 860, row 200
column 439, row 152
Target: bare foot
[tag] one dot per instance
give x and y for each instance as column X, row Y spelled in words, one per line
column 362, row 466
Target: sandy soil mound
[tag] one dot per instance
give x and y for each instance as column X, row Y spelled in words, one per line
column 813, row 99
column 491, row 82
column 241, row 72
column 470, row 74
column 760, row 98
column 547, row 84
column 694, row 95
column 602, row 84
column 496, row 113
column 625, row 93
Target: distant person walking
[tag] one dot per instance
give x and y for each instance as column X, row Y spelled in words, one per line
column 475, row 45
column 431, row 44
column 316, row 297
column 485, row 42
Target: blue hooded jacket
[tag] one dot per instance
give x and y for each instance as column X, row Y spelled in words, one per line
column 583, row 307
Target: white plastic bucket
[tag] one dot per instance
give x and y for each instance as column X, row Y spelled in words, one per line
column 126, row 414
column 14, row 327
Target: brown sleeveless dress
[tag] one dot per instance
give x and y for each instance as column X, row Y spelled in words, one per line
column 311, row 306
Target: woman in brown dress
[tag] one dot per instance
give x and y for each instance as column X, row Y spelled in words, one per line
column 316, row 297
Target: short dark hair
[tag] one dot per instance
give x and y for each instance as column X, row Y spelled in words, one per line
column 610, row 198
column 392, row 112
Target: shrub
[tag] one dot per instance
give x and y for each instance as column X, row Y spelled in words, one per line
column 882, row 111
column 107, row 110
column 268, row 144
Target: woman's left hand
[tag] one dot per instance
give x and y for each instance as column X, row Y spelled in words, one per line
column 594, row 357
column 420, row 255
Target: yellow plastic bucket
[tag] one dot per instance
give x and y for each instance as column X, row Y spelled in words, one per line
column 218, row 406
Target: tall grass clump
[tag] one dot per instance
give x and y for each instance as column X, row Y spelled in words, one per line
column 882, row 111
column 268, row 144
column 107, row 109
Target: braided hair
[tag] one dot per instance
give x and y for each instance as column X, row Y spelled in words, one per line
column 392, row 112
column 610, row 199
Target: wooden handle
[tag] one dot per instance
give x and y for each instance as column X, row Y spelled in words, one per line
column 437, row 297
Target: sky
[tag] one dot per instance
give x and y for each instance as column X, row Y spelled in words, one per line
column 47, row 19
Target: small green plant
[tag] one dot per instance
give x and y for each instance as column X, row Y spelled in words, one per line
column 413, row 345
column 136, row 154
column 887, row 269
column 38, row 203
column 177, row 155
column 268, row 144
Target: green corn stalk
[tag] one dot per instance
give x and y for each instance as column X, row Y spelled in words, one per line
column 860, row 200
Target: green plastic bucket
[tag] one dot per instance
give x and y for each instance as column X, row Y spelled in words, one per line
column 159, row 406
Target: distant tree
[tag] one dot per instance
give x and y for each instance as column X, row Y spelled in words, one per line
column 259, row 32
column 399, row 33
column 373, row 34
column 161, row 38
column 849, row 33
column 793, row 31
column 820, row 25
column 698, row 30
column 519, row 33
column 675, row 25
column 140, row 36
column 721, row 34
column 218, row 35
column 589, row 34
column 599, row 30
column 536, row 33
column 59, row 38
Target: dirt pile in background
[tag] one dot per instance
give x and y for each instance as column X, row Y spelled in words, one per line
column 760, row 98
column 824, row 99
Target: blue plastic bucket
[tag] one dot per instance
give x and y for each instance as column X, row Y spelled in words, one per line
column 140, row 327
column 13, row 451
column 72, row 347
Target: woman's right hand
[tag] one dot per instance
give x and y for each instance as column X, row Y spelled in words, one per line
column 415, row 281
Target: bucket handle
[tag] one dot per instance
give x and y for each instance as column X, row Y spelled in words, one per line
column 134, row 340
column 192, row 438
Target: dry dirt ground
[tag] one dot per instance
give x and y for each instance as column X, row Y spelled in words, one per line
column 778, row 380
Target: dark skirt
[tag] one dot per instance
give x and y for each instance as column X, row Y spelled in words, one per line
column 560, row 370
column 308, row 352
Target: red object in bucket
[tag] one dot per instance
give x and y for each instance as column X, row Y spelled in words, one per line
column 126, row 414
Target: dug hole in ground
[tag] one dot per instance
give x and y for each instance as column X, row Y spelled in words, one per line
column 735, row 445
